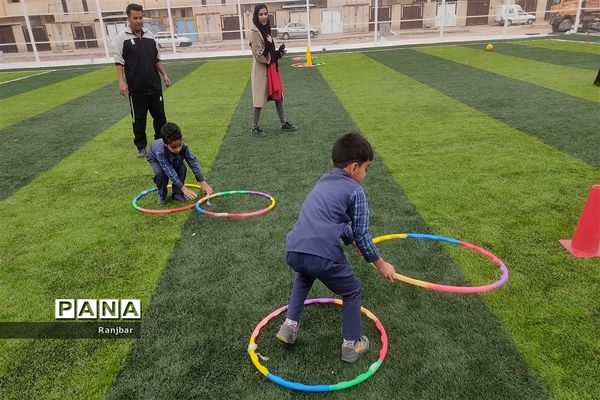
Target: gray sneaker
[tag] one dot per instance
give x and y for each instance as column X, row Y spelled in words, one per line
column 350, row 353
column 141, row 153
column 287, row 334
column 160, row 200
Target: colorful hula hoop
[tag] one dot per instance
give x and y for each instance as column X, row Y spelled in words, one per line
column 305, row 65
column 235, row 215
column 449, row 288
column 317, row 388
column 158, row 210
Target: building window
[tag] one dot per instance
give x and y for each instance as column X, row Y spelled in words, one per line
column 152, row 14
column 203, row 2
column 223, row 1
column 85, row 6
column 64, row 6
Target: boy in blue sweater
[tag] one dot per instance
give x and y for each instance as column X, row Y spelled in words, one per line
column 335, row 210
column 166, row 157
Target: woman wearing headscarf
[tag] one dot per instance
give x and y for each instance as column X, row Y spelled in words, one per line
column 265, row 85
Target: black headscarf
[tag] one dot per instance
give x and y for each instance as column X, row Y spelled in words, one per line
column 264, row 31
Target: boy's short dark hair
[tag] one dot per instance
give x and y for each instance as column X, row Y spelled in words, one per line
column 133, row 7
column 170, row 132
column 352, row 147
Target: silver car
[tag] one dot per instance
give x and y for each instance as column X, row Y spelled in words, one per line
column 296, row 29
column 165, row 39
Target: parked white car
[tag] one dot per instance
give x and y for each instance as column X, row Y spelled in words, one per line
column 514, row 14
column 296, row 29
column 165, row 39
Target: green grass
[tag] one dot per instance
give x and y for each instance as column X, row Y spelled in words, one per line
column 214, row 297
column 573, row 81
column 28, row 104
column 552, row 55
column 11, row 75
column 73, row 234
column 568, row 47
column 43, row 140
column 476, row 179
column 35, row 80
column 490, row 157
column 530, row 108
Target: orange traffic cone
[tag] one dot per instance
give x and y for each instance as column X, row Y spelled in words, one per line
column 586, row 240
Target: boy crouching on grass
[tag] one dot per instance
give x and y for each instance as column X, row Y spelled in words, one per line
column 166, row 158
column 336, row 209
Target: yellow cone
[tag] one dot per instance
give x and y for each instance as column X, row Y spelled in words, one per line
column 308, row 56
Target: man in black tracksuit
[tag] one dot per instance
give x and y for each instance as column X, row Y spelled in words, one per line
column 138, row 67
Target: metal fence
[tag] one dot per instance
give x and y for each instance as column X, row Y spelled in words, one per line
column 72, row 31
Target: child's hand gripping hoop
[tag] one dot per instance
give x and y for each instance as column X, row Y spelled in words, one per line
column 449, row 288
column 135, row 205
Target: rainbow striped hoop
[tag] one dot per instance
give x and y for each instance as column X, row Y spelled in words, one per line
column 135, row 200
column 235, row 215
column 252, row 346
column 449, row 288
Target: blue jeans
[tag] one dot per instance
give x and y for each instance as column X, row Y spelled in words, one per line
column 161, row 179
column 338, row 277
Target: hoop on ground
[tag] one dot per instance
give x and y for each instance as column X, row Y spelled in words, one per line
column 449, row 288
column 304, row 65
column 235, row 215
column 302, row 58
column 135, row 200
column 252, row 346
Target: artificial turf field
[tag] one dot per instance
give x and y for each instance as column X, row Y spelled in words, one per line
column 499, row 149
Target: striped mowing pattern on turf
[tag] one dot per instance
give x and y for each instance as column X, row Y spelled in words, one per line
column 25, row 105
column 38, row 80
column 231, row 274
column 477, row 178
column 42, row 140
column 532, row 109
column 583, row 60
column 564, row 45
column 71, row 233
column 567, row 80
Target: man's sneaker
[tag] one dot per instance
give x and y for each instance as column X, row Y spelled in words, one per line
column 179, row 197
column 286, row 126
column 141, row 153
column 160, row 200
column 352, row 350
column 287, row 334
column 257, row 132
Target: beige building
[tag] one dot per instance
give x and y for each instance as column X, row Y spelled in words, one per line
column 59, row 25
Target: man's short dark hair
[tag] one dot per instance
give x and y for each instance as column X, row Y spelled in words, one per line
column 352, row 147
column 133, row 7
column 170, row 132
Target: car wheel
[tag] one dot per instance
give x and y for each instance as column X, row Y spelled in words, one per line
column 286, row 36
column 510, row 22
column 529, row 21
column 565, row 25
column 312, row 34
